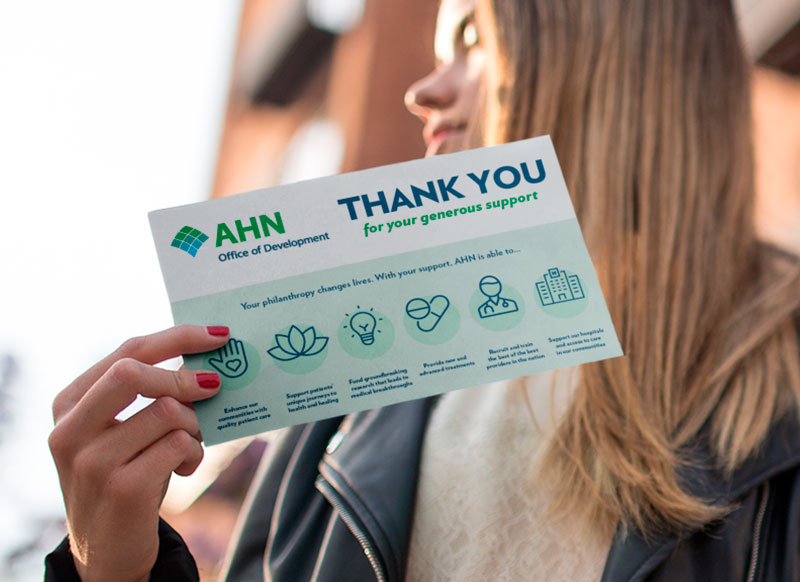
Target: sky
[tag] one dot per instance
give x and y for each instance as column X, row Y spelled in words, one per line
column 108, row 110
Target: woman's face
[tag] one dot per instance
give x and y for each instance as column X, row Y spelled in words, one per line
column 446, row 98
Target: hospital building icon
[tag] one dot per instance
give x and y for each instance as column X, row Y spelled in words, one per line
column 558, row 287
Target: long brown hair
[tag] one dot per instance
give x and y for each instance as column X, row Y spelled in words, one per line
column 648, row 108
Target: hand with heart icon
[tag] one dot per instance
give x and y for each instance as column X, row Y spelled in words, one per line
column 231, row 360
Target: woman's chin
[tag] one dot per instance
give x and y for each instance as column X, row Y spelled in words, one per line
column 432, row 149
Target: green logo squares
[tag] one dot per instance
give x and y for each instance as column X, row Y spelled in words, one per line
column 189, row 239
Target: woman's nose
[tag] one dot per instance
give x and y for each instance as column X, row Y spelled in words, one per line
column 433, row 91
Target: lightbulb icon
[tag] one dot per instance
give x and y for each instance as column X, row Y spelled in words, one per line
column 363, row 323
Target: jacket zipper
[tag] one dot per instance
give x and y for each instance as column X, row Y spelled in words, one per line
column 757, row 534
column 369, row 550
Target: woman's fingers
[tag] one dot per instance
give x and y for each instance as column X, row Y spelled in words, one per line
column 176, row 451
column 150, row 349
column 126, row 440
column 126, row 379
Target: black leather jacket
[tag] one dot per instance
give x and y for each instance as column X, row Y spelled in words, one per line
column 334, row 501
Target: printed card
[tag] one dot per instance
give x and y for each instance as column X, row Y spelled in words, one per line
column 371, row 288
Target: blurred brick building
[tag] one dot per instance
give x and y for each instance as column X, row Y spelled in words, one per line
column 318, row 89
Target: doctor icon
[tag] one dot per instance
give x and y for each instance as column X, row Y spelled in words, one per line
column 495, row 304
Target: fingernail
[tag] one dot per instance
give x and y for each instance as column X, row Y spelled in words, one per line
column 207, row 380
column 217, row 329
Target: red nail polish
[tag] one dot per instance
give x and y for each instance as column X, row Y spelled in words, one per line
column 217, row 330
column 207, row 380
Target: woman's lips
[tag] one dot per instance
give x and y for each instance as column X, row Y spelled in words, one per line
column 436, row 136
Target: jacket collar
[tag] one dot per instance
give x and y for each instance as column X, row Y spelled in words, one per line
column 633, row 557
column 373, row 464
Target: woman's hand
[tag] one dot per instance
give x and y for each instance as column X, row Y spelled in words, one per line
column 114, row 474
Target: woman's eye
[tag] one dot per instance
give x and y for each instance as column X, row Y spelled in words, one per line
column 470, row 35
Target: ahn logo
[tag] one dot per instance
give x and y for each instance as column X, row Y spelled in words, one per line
column 189, row 239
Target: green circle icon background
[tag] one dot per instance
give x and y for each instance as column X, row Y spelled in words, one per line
column 253, row 367
column 444, row 331
column 502, row 322
column 352, row 344
column 301, row 364
column 566, row 309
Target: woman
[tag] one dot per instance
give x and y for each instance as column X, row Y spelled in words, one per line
column 680, row 460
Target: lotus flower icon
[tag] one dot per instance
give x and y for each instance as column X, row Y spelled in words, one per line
column 297, row 343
